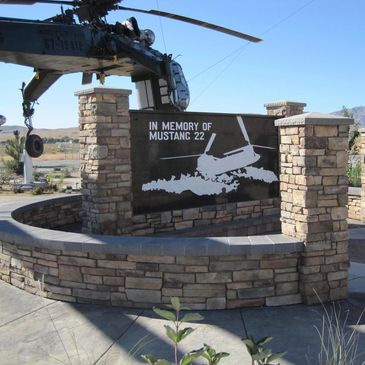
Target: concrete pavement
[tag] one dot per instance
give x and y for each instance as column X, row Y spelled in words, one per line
column 35, row 330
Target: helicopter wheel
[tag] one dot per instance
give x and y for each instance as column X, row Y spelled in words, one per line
column 34, row 145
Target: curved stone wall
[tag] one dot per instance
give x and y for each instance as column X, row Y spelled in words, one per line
column 354, row 203
column 206, row 273
column 50, row 213
column 231, row 219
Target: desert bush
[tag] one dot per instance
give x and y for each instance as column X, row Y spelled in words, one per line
column 354, row 173
column 14, row 149
column 38, row 190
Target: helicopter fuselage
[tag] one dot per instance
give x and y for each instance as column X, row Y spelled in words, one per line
column 54, row 49
column 68, row 48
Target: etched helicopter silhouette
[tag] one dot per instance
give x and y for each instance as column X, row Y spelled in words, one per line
column 210, row 166
column 80, row 40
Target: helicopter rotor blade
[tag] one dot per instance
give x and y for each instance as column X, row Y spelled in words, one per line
column 25, row 2
column 195, row 22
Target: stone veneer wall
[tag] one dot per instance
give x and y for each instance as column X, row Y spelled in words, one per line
column 354, row 206
column 105, row 162
column 206, row 273
column 314, row 200
column 254, row 217
column 245, row 218
column 203, row 282
column 57, row 212
column 75, row 273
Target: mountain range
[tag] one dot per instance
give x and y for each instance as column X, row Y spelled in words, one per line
column 6, row 131
column 358, row 113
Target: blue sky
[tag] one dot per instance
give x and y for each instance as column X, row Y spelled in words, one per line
column 313, row 52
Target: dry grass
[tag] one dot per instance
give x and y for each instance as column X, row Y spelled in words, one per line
column 52, row 152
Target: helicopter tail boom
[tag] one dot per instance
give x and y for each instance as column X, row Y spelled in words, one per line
column 40, row 83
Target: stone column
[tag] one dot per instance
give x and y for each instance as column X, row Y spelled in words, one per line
column 362, row 156
column 105, row 160
column 285, row 108
column 313, row 184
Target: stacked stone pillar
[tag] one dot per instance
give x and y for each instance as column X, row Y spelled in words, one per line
column 105, row 160
column 313, row 184
column 362, row 156
column 285, row 108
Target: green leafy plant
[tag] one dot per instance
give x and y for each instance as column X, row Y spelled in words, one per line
column 176, row 334
column 211, row 355
column 259, row 354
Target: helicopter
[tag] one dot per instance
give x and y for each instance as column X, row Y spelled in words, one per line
column 79, row 39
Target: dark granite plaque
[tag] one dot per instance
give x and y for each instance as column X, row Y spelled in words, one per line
column 185, row 160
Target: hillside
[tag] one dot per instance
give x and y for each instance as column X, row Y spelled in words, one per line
column 7, row 132
column 359, row 114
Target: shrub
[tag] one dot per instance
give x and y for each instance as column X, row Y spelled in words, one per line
column 38, row 190
column 354, row 173
column 14, row 149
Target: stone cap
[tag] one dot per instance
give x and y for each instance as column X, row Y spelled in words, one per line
column 14, row 232
column 103, row 90
column 278, row 103
column 354, row 191
column 313, row 118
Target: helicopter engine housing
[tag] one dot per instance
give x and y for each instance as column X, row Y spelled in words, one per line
column 171, row 94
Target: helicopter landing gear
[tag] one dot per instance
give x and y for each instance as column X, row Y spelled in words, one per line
column 33, row 143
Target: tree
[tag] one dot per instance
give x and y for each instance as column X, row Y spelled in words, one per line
column 14, row 149
column 354, row 133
